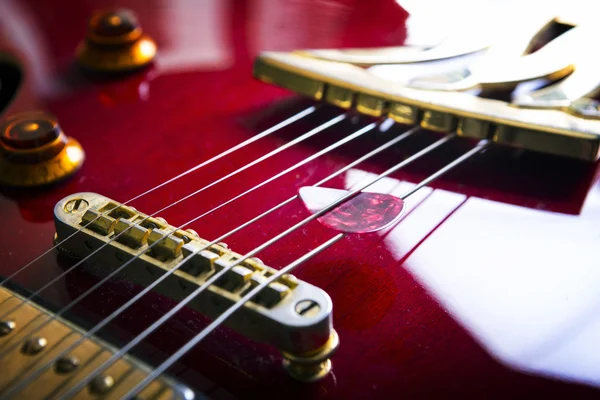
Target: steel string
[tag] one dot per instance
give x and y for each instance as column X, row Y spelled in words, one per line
column 335, row 145
column 121, row 309
column 239, row 304
column 121, row 352
column 245, row 167
column 280, row 125
column 113, row 315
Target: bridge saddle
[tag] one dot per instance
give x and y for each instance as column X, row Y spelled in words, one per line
column 276, row 316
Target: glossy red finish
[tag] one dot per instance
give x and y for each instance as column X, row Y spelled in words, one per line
column 468, row 288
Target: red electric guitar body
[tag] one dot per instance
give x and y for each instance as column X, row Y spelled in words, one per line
column 484, row 289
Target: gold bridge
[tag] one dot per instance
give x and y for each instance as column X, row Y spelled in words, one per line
column 25, row 349
column 560, row 118
column 289, row 314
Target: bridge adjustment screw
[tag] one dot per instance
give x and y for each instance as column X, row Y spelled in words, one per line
column 76, row 205
column 307, row 372
column 312, row 366
column 307, row 308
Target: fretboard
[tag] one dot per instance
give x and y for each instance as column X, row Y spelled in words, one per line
column 25, row 350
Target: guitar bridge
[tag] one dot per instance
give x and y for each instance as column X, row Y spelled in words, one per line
column 289, row 314
column 562, row 118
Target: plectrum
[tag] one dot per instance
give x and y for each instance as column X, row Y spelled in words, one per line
column 363, row 213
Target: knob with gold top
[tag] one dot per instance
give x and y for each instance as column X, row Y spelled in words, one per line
column 115, row 43
column 34, row 151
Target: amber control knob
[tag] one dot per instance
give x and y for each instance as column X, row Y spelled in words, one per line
column 115, row 43
column 34, row 151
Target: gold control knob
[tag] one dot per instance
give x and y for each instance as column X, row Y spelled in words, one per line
column 34, row 150
column 115, row 43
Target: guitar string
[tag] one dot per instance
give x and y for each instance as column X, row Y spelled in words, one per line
column 341, row 142
column 122, row 308
column 266, row 132
column 75, row 301
column 245, row 167
column 482, row 145
column 154, row 326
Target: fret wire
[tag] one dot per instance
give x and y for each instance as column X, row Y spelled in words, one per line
column 113, row 315
column 266, row 132
column 299, row 139
column 253, row 252
column 480, row 147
